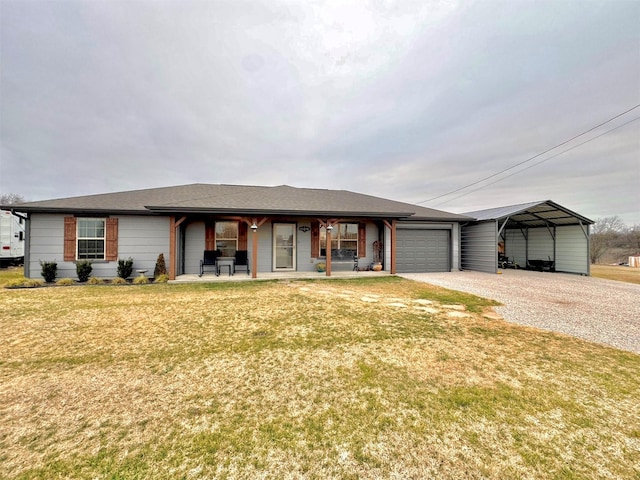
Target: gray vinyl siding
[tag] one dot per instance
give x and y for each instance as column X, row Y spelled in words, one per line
column 304, row 262
column 479, row 247
column 540, row 244
column 265, row 248
column 143, row 239
column 455, row 247
column 46, row 243
column 140, row 237
column 372, row 236
column 194, row 242
column 516, row 247
column 572, row 250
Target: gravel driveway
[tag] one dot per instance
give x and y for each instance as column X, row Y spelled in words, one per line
column 594, row 309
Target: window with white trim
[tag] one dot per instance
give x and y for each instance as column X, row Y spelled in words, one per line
column 344, row 241
column 227, row 238
column 90, row 239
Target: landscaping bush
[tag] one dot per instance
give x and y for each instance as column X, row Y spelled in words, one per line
column 164, row 278
column 49, row 271
column 161, row 268
column 95, row 281
column 24, row 283
column 16, row 283
column 119, row 281
column 65, row 282
column 141, row 280
column 83, row 270
column 125, row 267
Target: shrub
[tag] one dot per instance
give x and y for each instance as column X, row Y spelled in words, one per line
column 16, row 283
column 83, row 269
column 95, row 281
column 24, row 283
column 65, row 282
column 125, row 267
column 141, row 280
column 49, row 271
column 321, row 266
column 161, row 268
column 119, row 281
column 164, row 278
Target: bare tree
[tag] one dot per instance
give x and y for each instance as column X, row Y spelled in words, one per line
column 633, row 239
column 604, row 234
column 10, row 198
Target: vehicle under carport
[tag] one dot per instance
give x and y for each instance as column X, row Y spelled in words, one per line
column 539, row 235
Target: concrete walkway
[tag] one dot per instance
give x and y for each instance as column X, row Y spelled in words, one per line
column 598, row 310
column 243, row 277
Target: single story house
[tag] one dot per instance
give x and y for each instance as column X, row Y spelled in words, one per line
column 281, row 228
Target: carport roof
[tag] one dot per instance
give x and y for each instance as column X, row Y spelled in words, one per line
column 535, row 214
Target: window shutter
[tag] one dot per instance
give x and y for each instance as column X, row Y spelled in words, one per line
column 242, row 235
column 210, row 236
column 69, row 239
column 111, row 247
column 362, row 240
column 315, row 239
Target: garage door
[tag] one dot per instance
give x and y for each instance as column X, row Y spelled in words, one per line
column 423, row 251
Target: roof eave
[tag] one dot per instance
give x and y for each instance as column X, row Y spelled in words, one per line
column 458, row 218
column 82, row 211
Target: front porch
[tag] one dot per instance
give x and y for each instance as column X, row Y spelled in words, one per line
column 280, row 246
column 243, row 277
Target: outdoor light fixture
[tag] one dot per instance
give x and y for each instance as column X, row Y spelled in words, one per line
column 329, row 227
column 254, row 227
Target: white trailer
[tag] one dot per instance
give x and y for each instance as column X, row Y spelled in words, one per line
column 11, row 238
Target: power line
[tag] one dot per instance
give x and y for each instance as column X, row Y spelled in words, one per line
column 530, row 158
column 537, row 163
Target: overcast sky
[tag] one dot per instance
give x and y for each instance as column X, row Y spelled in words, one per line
column 407, row 100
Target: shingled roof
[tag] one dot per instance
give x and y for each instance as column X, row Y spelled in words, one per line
column 238, row 200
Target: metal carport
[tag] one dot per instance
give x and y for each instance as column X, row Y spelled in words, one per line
column 531, row 233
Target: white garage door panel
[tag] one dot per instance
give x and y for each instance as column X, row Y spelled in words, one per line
column 423, row 251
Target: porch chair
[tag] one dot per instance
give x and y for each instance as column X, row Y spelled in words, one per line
column 241, row 261
column 210, row 258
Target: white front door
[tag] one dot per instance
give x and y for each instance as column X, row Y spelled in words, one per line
column 284, row 246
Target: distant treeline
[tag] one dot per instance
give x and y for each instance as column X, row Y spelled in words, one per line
column 612, row 241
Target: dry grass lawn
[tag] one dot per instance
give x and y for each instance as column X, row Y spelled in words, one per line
column 378, row 378
column 616, row 272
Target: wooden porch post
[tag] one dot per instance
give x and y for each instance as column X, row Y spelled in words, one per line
column 392, row 228
column 328, row 228
column 254, row 251
column 254, row 224
column 173, row 256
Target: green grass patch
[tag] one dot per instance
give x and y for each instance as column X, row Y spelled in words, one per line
column 365, row 378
